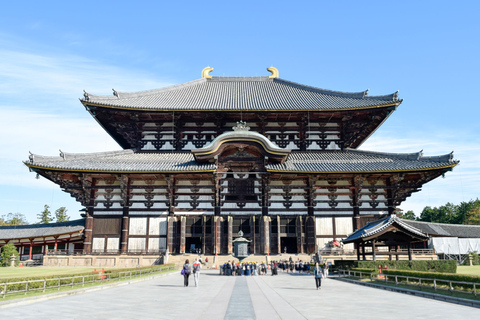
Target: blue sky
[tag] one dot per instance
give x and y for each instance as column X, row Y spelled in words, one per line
column 51, row 51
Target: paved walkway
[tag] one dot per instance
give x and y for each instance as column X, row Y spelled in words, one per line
column 225, row 297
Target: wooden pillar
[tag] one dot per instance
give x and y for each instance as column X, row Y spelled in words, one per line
column 31, row 250
column 374, row 257
column 357, row 245
column 356, row 209
column 55, row 246
column 363, row 251
column 87, row 244
column 299, row 234
column 170, row 235
column 310, row 234
column 409, row 247
column 265, row 230
column 252, row 232
column 217, row 236
column 204, row 232
column 396, row 253
column 124, row 233
column 279, row 242
column 230, row 235
column 183, row 221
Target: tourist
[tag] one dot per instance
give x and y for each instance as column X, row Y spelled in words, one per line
column 318, row 274
column 325, row 269
column 186, row 273
column 196, row 271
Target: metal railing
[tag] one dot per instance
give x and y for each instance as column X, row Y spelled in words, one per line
column 97, row 277
column 449, row 286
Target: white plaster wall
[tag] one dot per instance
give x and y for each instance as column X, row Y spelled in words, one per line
column 138, row 226
column 157, row 226
column 155, row 244
column 149, row 146
column 136, row 244
column 113, row 244
column 343, row 225
column 290, row 212
column 196, row 212
column 322, row 242
column 98, row 244
column 324, row 226
column 131, row 213
column 109, row 212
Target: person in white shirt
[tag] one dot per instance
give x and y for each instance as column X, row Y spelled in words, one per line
column 196, row 271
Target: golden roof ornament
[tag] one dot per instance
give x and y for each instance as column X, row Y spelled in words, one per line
column 241, row 126
column 206, row 71
column 274, row 72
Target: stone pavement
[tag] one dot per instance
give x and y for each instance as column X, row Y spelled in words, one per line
column 226, row 297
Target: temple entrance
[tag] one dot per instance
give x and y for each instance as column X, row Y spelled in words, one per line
column 290, row 243
column 193, row 245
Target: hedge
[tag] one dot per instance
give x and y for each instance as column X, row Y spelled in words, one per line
column 113, row 273
column 446, row 266
column 434, row 275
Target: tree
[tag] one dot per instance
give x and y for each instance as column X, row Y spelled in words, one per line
column 61, row 214
column 409, row 215
column 473, row 216
column 443, row 214
column 13, row 219
column 464, row 208
column 45, row 216
column 7, row 251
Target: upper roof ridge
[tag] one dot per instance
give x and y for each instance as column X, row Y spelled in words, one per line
column 118, row 95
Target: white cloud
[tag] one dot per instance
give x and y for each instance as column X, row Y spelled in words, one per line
column 40, row 112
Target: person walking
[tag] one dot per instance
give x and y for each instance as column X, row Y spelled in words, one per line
column 325, row 270
column 186, row 272
column 318, row 274
column 196, row 271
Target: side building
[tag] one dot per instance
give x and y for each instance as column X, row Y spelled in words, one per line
column 205, row 159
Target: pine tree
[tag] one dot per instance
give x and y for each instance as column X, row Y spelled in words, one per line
column 45, row 216
column 61, row 214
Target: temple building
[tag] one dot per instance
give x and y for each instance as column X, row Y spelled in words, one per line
column 203, row 160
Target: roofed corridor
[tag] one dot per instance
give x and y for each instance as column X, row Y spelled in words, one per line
column 226, row 297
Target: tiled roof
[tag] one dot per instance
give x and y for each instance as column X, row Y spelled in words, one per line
column 241, row 93
column 374, row 227
column 319, row 161
column 41, row 230
column 446, row 230
column 121, row 161
column 352, row 160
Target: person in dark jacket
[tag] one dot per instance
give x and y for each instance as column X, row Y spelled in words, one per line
column 187, row 269
column 318, row 274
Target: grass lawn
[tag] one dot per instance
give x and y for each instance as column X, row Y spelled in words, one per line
column 7, row 273
column 470, row 270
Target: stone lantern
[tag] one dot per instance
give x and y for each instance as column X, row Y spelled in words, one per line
column 240, row 248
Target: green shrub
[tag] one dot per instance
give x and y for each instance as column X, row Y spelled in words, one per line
column 448, row 266
column 434, row 275
column 114, row 273
column 7, row 251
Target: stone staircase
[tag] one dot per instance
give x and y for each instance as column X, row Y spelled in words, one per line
column 215, row 261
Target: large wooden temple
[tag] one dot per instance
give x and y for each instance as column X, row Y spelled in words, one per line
column 205, row 159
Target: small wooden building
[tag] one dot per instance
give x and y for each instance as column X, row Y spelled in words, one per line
column 390, row 232
column 35, row 240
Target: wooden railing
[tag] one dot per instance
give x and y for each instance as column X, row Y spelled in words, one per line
column 447, row 286
column 41, row 285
